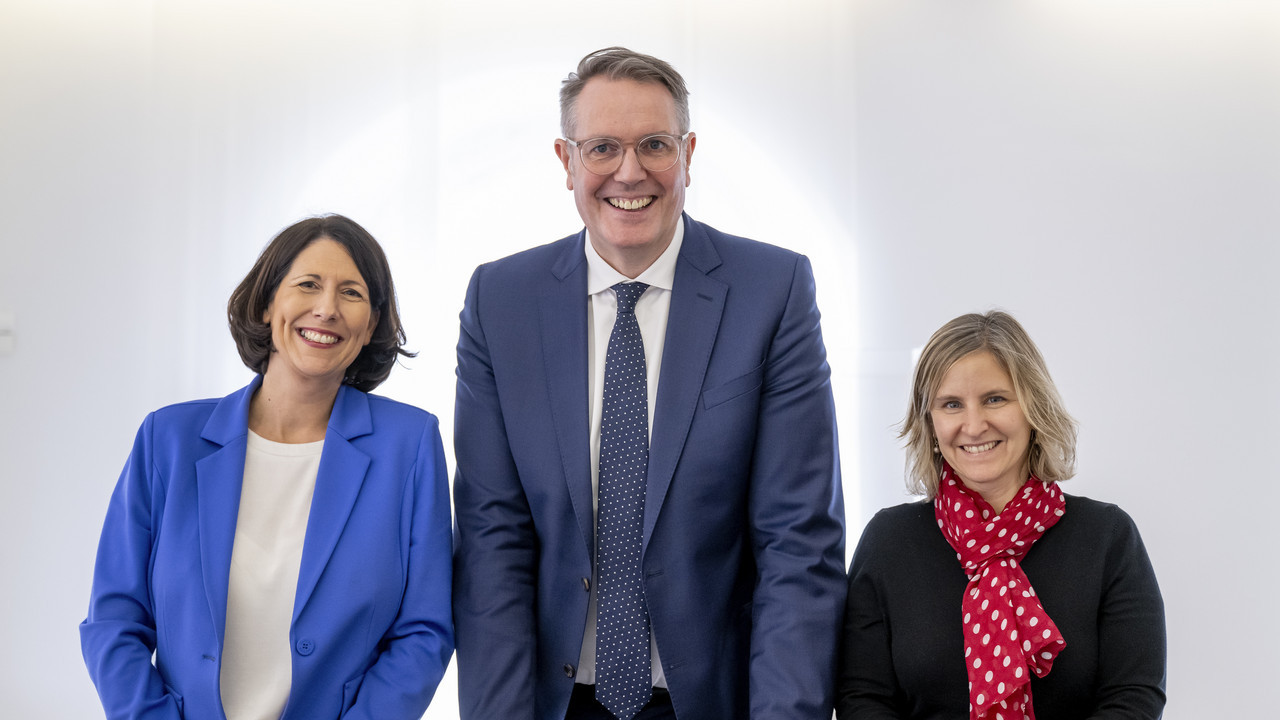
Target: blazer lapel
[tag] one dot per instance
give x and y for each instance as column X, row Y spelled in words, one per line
column 697, row 302
column 563, row 321
column 219, row 477
column 338, row 482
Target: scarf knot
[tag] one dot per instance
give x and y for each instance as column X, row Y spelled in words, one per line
column 1007, row 633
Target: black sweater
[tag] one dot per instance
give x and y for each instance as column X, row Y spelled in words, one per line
column 903, row 648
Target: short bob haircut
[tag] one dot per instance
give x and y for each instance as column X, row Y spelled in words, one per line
column 1053, row 431
column 250, row 300
column 619, row 63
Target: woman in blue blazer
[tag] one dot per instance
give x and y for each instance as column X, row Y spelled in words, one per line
column 283, row 551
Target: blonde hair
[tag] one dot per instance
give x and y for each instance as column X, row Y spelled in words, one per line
column 1053, row 431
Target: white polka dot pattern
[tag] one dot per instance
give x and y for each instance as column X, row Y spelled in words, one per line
column 1006, row 629
column 623, row 677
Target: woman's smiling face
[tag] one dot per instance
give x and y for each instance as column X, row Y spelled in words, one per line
column 320, row 316
column 981, row 429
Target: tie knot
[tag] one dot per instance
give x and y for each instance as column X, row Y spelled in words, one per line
column 628, row 294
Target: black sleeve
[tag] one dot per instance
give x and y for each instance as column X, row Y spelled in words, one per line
column 1131, row 631
column 866, row 683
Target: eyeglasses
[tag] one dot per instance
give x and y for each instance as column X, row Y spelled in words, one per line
column 656, row 153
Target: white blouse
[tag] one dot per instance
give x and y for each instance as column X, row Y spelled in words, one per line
column 275, row 502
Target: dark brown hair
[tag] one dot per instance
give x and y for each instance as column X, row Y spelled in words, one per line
column 251, row 298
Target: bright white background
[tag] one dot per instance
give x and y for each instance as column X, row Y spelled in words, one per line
column 1107, row 170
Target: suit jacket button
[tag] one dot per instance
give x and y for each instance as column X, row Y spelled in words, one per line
column 586, row 584
column 305, row 647
column 568, row 670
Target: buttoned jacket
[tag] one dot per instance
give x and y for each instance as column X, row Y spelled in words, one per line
column 743, row 537
column 371, row 632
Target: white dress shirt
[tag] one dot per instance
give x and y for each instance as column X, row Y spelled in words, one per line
column 652, row 310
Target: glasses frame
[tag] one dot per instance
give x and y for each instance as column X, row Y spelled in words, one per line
column 635, row 148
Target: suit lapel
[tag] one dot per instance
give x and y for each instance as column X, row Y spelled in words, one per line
column 697, row 302
column 219, row 477
column 338, row 482
column 563, row 323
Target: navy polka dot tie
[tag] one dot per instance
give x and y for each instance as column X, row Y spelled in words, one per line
column 623, row 683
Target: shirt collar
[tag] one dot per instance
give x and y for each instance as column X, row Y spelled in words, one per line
column 661, row 274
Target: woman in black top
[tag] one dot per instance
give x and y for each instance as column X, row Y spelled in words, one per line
column 999, row 596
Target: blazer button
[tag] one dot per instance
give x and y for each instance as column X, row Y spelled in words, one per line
column 568, row 670
column 305, row 647
column 586, row 584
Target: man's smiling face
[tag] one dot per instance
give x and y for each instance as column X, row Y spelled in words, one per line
column 631, row 214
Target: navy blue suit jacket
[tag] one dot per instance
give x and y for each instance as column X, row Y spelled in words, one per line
column 743, row 529
column 371, row 629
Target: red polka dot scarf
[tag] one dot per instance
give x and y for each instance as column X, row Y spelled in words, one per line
column 1007, row 633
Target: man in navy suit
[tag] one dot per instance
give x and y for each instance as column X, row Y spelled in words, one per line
column 737, row 564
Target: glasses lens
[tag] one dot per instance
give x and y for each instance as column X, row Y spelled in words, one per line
column 656, row 153
column 601, row 155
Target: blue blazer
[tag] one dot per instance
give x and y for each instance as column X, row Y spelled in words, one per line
column 371, row 629
column 743, row 526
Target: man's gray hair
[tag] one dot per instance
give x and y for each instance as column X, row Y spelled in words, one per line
column 619, row 63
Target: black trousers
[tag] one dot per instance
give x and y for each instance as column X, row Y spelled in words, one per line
column 584, row 706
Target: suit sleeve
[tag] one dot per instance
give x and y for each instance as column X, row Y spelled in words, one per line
column 1131, row 631
column 495, row 542
column 118, row 636
column 419, row 643
column 797, row 521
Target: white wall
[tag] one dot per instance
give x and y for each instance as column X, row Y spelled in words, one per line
column 1108, row 171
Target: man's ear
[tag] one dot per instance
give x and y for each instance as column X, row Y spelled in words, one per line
column 688, row 156
column 565, row 154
